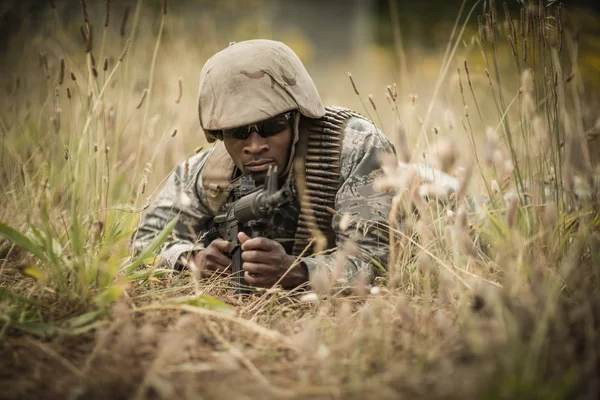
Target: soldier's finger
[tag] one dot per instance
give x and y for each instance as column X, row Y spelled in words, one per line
column 260, row 269
column 218, row 258
column 242, row 237
column 212, row 270
column 222, row 245
column 259, row 243
column 257, row 256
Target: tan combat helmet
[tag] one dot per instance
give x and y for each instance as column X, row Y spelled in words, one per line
column 252, row 81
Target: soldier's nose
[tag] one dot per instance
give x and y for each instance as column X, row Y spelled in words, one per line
column 255, row 144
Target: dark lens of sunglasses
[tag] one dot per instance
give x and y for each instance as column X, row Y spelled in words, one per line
column 265, row 129
column 240, row 133
column 273, row 126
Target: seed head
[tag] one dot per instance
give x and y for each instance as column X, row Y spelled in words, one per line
column 44, row 64
column 107, row 14
column 513, row 47
column 89, row 39
column 353, row 84
column 105, row 66
column 174, row 132
column 83, row 33
column 180, row 90
column 480, row 30
column 389, row 99
column 142, row 98
column 468, row 74
column 345, row 221
column 489, row 28
column 413, row 98
column 124, row 22
column 86, row 17
column 127, row 43
column 310, row 297
column 390, row 93
column 487, row 73
column 61, row 74
column 370, row 97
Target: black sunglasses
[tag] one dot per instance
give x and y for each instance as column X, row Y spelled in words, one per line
column 266, row 128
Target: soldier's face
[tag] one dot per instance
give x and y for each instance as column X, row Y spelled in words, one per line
column 255, row 153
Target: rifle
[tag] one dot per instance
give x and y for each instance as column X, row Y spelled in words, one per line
column 253, row 212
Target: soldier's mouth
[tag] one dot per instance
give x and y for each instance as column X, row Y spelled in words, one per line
column 259, row 165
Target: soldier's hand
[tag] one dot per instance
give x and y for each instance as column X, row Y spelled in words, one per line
column 266, row 262
column 213, row 258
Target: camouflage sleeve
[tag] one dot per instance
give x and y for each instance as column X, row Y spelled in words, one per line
column 180, row 197
column 361, row 220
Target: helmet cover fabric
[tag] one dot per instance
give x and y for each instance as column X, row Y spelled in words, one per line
column 252, row 81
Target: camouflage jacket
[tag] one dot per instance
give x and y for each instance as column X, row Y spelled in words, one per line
column 363, row 209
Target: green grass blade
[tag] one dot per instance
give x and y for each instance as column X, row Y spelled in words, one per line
column 39, row 329
column 21, row 240
column 205, row 301
column 152, row 248
column 84, row 319
column 8, row 295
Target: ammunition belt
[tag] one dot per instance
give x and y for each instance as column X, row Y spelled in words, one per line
column 320, row 144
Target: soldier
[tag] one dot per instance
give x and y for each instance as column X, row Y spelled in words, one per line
column 260, row 107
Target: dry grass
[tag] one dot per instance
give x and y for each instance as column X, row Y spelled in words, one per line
column 491, row 291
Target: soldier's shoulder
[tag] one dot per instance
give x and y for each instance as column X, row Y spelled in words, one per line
column 360, row 126
column 360, row 132
column 197, row 161
column 356, row 125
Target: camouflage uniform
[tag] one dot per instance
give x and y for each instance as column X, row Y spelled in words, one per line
column 247, row 83
column 363, row 144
